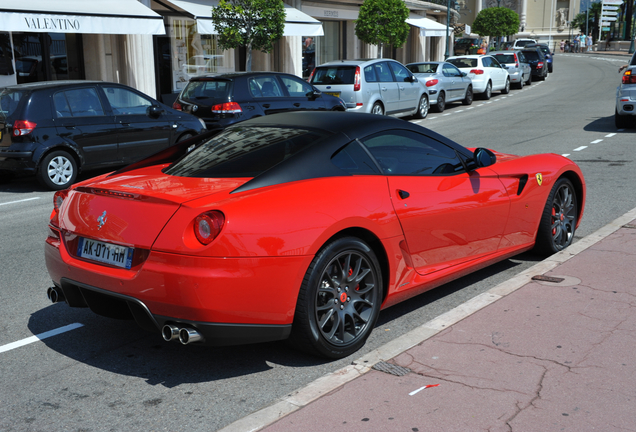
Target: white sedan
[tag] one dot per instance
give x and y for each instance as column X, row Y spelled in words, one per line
column 485, row 72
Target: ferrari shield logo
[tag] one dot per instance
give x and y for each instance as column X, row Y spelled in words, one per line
column 539, row 179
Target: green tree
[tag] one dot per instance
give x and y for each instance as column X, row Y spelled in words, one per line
column 383, row 22
column 254, row 24
column 496, row 22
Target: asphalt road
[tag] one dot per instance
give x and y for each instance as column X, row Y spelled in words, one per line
column 106, row 375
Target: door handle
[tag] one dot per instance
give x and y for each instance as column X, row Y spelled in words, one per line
column 403, row 194
column 383, row 88
column 69, row 126
column 266, row 105
column 296, row 104
column 124, row 123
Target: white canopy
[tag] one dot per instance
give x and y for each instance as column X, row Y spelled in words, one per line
column 79, row 16
column 427, row 26
column 296, row 22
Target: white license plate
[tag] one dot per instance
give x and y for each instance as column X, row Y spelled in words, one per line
column 120, row 256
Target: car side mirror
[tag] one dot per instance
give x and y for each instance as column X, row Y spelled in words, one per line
column 484, row 157
column 464, row 74
column 155, row 111
column 412, row 78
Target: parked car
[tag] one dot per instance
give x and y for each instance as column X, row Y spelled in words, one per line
column 378, row 86
column 549, row 56
column 244, row 245
column 224, row 99
column 466, row 46
column 485, row 72
column 537, row 62
column 518, row 68
column 521, row 43
column 56, row 129
column 444, row 83
column 624, row 112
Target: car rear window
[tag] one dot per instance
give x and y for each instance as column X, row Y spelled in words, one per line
column 521, row 43
column 243, row 152
column 506, row 58
column 423, row 68
column 463, row 62
column 207, row 89
column 9, row 101
column 334, row 75
column 531, row 55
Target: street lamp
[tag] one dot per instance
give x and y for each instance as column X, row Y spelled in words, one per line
column 446, row 54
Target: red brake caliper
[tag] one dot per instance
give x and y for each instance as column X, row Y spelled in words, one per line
column 553, row 217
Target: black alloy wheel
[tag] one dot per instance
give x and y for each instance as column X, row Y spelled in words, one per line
column 441, row 102
column 468, row 99
column 558, row 221
column 339, row 300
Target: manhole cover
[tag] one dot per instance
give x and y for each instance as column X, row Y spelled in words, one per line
column 392, row 369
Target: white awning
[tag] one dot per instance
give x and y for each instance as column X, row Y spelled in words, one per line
column 80, row 16
column 427, row 26
column 296, row 22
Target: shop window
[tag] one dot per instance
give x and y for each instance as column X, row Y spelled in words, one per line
column 193, row 54
column 47, row 57
column 318, row 50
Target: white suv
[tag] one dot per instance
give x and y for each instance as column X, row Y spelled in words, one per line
column 521, row 43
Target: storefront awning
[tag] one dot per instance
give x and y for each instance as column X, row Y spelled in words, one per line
column 80, row 16
column 427, row 26
column 296, row 22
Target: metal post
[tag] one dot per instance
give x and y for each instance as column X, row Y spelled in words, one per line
column 446, row 54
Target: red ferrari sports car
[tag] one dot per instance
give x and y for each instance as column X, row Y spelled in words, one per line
column 300, row 226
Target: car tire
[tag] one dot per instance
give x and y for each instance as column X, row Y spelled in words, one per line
column 529, row 79
column 488, row 92
column 521, row 83
column 468, row 98
column 441, row 102
column 422, row 107
column 622, row 121
column 339, row 300
column 377, row 109
column 558, row 221
column 57, row 170
column 506, row 88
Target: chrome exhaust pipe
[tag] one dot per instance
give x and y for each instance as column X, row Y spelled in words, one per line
column 170, row 332
column 189, row 335
column 54, row 295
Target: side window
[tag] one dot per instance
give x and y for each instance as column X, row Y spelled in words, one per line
column 369, row 74
column 402, row 152
column 451, row 71
column 353, row 159
column 495, row 63
column 486, row 62
column 82, row 102
column 296, row 87
column 400, row 72
column 265, row 86
column 382, row 72
column 126, row 102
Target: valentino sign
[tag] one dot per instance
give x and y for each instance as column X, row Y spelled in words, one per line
column 52, row 24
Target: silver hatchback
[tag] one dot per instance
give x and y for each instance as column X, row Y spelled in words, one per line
column 518, row 67
column 378, row 86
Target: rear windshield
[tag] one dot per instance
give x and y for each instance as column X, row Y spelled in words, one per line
column 463, row 62
column 334, row 75
column 531, row 55
column 208, row 89
column 521, row 43
column 9, row 100
column 423, row 68
column 505, row 58
column 243, row 152
column 466, row 41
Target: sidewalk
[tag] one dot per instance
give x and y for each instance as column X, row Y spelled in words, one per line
column 528, row 355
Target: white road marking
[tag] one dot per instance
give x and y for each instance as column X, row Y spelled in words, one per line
column 459, row 111
column 470, row 108
column 566, row 155
column 19, row 201
column 444, row 115
column 432, row 118
column 580, row 148
column 610, row 135
column 596, row 141
column 39, row 337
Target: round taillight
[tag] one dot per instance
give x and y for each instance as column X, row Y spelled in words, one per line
column 59, row 198
column 208, row 225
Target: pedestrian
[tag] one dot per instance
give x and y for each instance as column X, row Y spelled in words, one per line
column 589, row 42
column 576, row 43
column 562, row 45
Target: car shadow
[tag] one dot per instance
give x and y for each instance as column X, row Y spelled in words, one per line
column 607, row 125
column 122, row 347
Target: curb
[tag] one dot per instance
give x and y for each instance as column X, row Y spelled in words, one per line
column 327, row 383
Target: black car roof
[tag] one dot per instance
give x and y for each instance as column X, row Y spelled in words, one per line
column 50, row 84
column 231, row 75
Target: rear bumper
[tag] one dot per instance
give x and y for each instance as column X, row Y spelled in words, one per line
column 228, row 300
column 17, row 161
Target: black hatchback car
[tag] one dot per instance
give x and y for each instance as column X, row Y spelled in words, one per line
column 537, row 61
column 56, row 129
column 224, row 99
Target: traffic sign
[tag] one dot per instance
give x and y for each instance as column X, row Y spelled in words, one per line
column 612, row 2
column 605, row 28
column 609, row 18
column 606, row 13
column 610, row 8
